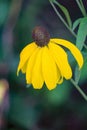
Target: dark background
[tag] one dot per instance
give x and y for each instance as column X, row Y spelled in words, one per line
column 27, row 109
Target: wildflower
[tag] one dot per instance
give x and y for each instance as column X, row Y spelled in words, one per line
column 45, row 61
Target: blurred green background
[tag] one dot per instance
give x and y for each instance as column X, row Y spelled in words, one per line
column 27, row 109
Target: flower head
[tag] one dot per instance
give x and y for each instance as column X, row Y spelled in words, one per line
column 45, row 61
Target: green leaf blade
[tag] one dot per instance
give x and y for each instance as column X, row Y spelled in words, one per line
column 76, row 23
column 82, row 33
column 66, row 13
column 77, row 74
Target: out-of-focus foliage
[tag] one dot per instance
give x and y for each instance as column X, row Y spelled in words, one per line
column 62, row 108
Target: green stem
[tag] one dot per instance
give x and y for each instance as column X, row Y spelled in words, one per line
column 79, row 89
column 64, row 22
column 81, row 7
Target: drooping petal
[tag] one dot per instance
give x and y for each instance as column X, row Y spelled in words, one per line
column 61, row 60
column 25, row 54
column 37, row 78
column 49, row 69
column 23, row 69
column 30, row 66
column 60, row 80
column 74, row 50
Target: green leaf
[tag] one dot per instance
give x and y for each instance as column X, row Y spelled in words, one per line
column 66, row 13
column 77, row 74
column 83, row 7
column 84, row 53
column 82, row 33
column 76, row 23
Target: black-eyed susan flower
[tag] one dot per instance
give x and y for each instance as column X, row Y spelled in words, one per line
column 45, row 61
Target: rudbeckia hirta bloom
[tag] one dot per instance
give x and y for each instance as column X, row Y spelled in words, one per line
column 45, row 61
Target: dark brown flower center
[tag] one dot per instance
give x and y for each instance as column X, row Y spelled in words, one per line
column 40, row 36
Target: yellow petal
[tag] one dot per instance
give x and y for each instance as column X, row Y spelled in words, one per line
column 23, row 69
column 37, row 78
column 30, row 66
column 25, row 55
column 61, row 60
column 74, row 50
column 49, row 69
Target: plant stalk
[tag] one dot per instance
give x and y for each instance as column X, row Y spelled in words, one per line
column 79, row 89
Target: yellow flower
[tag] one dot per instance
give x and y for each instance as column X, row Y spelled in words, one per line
column 45, row 61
